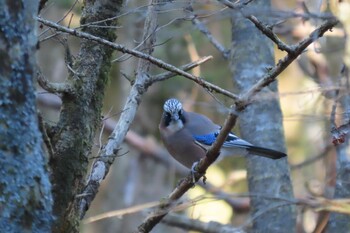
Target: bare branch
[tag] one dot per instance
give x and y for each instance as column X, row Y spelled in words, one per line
column 196, row 225
column 169, row 74
column 207, row 85
column 122, row 212
column 102, row 164
column 271, row 75
column 61, row 19
column 99, row 22
column 56, row 88
column 270, row 34
column 313, row 159
column 293, row 52
column 203, row 29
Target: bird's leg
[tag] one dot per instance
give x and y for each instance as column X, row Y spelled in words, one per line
column 194, row 171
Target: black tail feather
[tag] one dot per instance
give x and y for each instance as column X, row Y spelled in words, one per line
column 264, row 152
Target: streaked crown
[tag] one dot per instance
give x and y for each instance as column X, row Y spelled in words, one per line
column 172, row 106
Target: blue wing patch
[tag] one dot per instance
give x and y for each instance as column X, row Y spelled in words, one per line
column 206, row 139
column 231, row 140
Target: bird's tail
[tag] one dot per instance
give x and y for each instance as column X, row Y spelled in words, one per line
column 264, row 152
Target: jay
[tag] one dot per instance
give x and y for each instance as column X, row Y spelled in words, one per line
column 188, row 135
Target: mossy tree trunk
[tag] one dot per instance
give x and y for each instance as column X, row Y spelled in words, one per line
column 72, row 137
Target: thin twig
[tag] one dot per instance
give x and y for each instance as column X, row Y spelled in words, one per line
column 120, row 213
column 197, row 225
column 313, row 159
column 270, row 76
column 94, row 23
column 60, row 20
column 50, row 36
column 270, row 34
column 189, row 66
column 203, row 29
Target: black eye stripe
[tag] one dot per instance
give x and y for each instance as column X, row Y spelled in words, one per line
column 167, row 118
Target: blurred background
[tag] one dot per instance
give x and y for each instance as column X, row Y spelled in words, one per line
column 144, row 173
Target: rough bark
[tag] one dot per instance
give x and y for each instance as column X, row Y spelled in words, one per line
column 341, row 222
column 72, row 138
column 261, row 124
column 25, row 189
column 101, row 165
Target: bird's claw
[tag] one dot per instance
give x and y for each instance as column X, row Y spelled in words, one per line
column 194, row 171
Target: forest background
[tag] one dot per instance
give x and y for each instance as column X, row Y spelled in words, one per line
column 279, row 69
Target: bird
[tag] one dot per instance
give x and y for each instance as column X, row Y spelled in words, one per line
column 188, row 135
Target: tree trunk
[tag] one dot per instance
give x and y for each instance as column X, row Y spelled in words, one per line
column 341, row 222
column 25, row 189
column 73, row 136
column 261, row 124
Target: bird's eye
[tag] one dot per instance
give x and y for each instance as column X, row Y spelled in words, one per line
column 167, row 114
column 180, row 112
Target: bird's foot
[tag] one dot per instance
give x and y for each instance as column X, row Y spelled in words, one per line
column 194, row 171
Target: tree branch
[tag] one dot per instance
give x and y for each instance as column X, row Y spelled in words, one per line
column 204, row 30
column 80, row 116
column 55, row 88
column 241, row 104
column 270, row 34
column 207, row 85
column 187, row 67
column 196, row 225
column 106, row 157
column 272, row 74
column 313, row 159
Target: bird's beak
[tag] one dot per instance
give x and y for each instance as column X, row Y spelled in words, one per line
column 175, row 117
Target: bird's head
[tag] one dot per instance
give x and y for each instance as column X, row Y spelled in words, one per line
column 173, row 114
